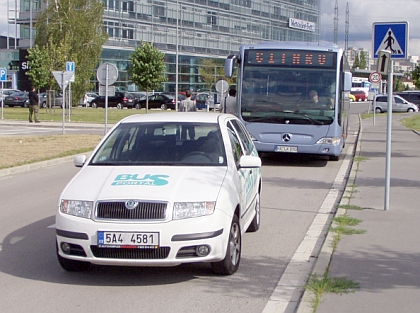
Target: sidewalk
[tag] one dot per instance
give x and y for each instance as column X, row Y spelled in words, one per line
column 385, row 261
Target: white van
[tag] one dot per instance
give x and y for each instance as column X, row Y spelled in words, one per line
column 399, row 104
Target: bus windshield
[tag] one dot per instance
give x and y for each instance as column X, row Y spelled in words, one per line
column 288, row 95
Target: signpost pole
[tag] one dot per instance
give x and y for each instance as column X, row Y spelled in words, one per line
column 2, row 104
column 388, row 135
column 64, row 102
column 106, row 98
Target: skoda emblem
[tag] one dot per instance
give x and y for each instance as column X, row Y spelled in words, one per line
column 286, row 137
column 131, row 204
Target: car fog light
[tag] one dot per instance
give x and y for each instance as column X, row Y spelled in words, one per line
column 202, row 250
column 65, row 247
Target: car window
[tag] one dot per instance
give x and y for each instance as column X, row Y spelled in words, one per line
column 398, row 100
column 246, row 141
column 162, row 144
column 381, row 99
column 235, row 143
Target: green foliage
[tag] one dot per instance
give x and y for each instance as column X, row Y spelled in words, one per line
column 212, row 70
column 38, row 73
column 398, row 84
column 147, row 68
column 72, row 30
column 362, row 61
column 415, row 74
column 356, row 63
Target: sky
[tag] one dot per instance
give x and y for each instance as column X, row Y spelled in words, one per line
column 362, row 15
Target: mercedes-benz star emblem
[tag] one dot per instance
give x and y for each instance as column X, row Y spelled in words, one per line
column 131, row 204
column 286, row 137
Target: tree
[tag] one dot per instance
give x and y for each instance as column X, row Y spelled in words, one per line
column 72, row 30
column 415, row 74
column 356, row 63
column 398, row 84
column 147, row 68
column 38, row 73
column 211, row 71
column 362, row 61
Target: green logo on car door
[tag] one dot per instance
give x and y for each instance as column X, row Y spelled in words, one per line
column 134, row 179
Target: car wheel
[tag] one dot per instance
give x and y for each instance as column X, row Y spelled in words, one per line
column 138, row 106
column 120, row 106
column 72, row 265
column 378, row 110
column 44, row 105
column 163, row 106
column 255, row 224
column 230, row 263
column 360, row 99
column 94, row 105
column 410, row 110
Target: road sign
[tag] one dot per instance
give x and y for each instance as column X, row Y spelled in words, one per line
column 70, row 66
column 101, row 74
column 375, row 77
column 106, row 91
column 3, row 74
column 392, row 37
column 222, row 86
column 384, row 61
column 62, row 78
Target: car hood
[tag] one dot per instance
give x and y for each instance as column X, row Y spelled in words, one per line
column 163, row 183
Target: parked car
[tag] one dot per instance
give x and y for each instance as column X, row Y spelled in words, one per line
column 360, row 95
column 201, row 100
column 399, row 104
column 87, row 98
column 412, row 96
column 6, row 92
column 156, row 101
column 147, row 197
column 44, row 102
column 19, row 98
column 138, row 95
column 352, row 98
column 121, row 100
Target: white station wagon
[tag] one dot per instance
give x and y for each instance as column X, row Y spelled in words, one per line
column 162, row 189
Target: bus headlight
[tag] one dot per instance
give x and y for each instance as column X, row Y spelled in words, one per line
column 333, row 141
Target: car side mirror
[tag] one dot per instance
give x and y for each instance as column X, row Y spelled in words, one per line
column 79, row 160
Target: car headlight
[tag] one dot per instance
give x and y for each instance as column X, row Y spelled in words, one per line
column 77, row 208
column 329, row 141
column 192, row 209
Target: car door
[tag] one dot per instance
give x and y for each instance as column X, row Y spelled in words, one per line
column 399, row 105
column 247, row 177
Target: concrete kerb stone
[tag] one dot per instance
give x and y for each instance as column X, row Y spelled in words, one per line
column 323, row 261
column 33, row 166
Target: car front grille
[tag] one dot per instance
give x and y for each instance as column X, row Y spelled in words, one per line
column 127, row 253
column 144, row 211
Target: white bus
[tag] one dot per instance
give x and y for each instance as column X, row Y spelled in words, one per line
column 276, row 86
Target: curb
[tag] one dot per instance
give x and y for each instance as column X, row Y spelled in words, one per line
column 325, row 255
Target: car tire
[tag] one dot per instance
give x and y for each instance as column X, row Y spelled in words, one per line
column 410, row 110
column 256, row 221
column 72, row 265
column 163, row 106
column 94, row 105
column 378, row 110
column 138, row 106
column 44, row 105
column 360, row 99
column 120, row 106
column 230, row 264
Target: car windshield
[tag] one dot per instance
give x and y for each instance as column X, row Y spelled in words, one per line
column 162, row 143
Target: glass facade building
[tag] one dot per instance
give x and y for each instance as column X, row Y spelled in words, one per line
column 191, row 30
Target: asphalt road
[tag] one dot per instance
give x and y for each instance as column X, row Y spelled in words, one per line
column 294, row 189
column 296, row 192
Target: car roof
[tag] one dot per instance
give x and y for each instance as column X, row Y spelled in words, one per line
column 199, row 117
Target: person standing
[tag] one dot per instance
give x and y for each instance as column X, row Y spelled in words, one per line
column 33, row 106
column 230, row 106
column 187, row 105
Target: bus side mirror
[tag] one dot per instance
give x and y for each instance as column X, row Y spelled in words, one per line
column 347, row 81
column 229, row 65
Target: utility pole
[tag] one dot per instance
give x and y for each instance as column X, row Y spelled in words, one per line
column 336, row 22
column 346, row 35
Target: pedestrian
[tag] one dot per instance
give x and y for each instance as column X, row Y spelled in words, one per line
column 33, row 106
column 230, row 105
column 187, row 105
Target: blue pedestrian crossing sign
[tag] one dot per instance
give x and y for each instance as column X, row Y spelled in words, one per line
column 392, row 37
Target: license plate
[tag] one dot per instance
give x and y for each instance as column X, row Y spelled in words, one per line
column 287, row 149
column 111, row 239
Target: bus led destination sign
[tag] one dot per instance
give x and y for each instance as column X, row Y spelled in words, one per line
column 290, row 58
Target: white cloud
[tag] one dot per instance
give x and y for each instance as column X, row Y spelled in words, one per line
column 362, row 15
